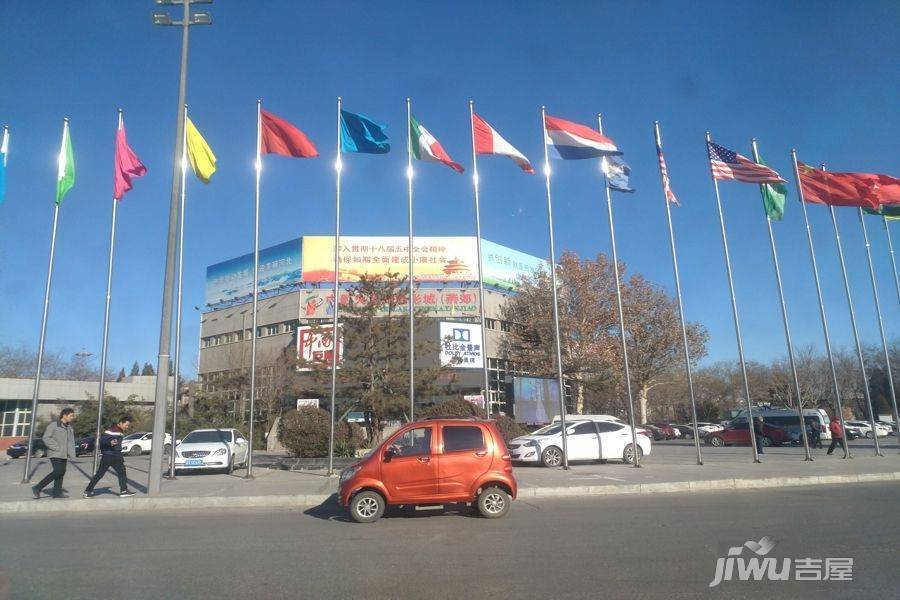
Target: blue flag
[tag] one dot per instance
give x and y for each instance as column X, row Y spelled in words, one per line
column 361, row 134
column 617, row 173
column 4, row 150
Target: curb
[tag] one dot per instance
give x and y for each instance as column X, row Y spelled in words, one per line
column 29, row 507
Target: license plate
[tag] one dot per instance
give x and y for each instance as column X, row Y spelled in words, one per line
column 193, row 462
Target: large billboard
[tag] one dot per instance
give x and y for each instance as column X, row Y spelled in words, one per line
column 461, row 346
column 438, row 302
column 536, row 400
column 437, row 259
column 278, row 266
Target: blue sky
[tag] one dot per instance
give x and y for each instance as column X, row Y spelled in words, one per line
column 820, row 77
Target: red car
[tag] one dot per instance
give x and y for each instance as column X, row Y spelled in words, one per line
column 436, row 461
column 667, row 430
column 739, row 433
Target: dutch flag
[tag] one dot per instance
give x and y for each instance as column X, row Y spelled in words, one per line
column 571, row 141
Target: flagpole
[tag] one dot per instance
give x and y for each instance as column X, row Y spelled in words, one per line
column 615, row 260
column 26, row 476
column 815, row 269
column 338, row 167
column 787, row 327
column 176, row 390
column 105, row 343
column 412, row 333
column 884, row 342
column 687, row 353
column 859, row 350
column 734, row 310
column 254, row 334
column 887, row 232
column 556, row 337
column 487, row 389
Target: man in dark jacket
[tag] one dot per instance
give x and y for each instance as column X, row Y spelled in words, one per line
column 59, row 437
column 111, row 456
column 760, row 434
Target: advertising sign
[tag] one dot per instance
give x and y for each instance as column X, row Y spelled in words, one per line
column 450, row 302
column 301, row 402
column 461, row 345
column 504, row 267
column 316, row 347
column 476, row 399
column 536, row 400
column 278, row 266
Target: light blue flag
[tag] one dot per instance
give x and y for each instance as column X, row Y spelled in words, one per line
column 617, row 173
column 361, row 134
column 4, row 149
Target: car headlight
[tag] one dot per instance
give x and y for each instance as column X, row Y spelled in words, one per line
column 530, row 443
column 348, row 473
column 220, row 452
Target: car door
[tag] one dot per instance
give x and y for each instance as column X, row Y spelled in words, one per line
column 146, row 442
column 463, row 459
column 582, row 441
column 613, row 439
column 738, row 433
column 409, row 469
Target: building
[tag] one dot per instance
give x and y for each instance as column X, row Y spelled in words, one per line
column 296, row 294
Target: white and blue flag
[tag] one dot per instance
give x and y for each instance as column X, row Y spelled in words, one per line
column 617, row 172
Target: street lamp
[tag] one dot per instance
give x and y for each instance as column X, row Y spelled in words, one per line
column 160, row 403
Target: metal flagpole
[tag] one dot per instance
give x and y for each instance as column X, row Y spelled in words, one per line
column 687, row 354
column 556, row 337
column 815, row 268
column 177, row 366
column 26, row 476
column 884, row 342
column 787, row 327
column 254, row 334
column 487, row 389
column 412, row 333
column 734, row 310
column 338, row 167
column 859, row 351
column 615, row 260
column 105, row 343
column 887, row 232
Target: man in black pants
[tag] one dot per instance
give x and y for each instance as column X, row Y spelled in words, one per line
column 111, row 456
column 59, row 437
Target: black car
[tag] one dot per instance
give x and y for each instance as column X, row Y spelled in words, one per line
column 85, row 445
column 19, row 449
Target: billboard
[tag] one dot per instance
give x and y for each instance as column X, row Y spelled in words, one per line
column 278, row 266
column 461, row 346
column 450, row 302
column 314, row 345
column 536, row 400
column 504, row 267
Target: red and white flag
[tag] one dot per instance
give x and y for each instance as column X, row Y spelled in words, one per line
column 664, row 173
column 488, row 141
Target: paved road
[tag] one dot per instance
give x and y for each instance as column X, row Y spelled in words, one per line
column 635, row 547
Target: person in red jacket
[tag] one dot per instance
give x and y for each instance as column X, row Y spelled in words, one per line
column 837, row 435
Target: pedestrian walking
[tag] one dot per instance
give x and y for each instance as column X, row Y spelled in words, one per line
column 837, row 435
column 59, row 437
column 758, row 430
column 111, row 458
column 815, row 436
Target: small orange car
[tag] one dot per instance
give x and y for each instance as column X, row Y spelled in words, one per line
column 436, row 461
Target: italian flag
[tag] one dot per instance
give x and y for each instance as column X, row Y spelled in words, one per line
column 488, row 141
column 424, row 146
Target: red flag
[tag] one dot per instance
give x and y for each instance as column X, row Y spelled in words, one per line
column 127, row 165
column 280, row 137
column 887, row 189
column 838, row 189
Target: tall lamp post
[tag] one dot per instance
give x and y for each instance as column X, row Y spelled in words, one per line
column 160, row 404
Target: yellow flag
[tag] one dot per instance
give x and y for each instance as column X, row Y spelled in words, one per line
column 203, row 161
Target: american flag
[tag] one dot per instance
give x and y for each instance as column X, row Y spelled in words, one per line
column 726, row 164
column 664, row 172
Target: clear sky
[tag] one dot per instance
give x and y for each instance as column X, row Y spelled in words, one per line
column 818, row 76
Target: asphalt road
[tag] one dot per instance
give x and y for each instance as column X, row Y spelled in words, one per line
column 630, row 547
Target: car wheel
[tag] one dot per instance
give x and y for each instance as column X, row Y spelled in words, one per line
column 167, row 449
column 766, row 441
column 628, row 454
column 869, row 435
column 135, row 451
column 493, row 503
column 366, row 507
column 552, row 457
column 716, row 441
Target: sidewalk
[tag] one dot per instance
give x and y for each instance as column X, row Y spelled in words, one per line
column 671, row 467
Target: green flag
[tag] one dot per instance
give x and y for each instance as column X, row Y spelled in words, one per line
column 65, row 178
column 891, row 213
column 773, row 196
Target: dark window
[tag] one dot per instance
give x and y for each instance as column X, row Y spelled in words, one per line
column 415, row 442
column 462, row 437
column 584, row 427
column 608, row 427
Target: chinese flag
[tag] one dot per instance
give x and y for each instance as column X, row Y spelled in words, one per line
column 280, row 137
column 840, row 189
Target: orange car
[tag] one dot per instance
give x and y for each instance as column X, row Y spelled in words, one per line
column 436, row 461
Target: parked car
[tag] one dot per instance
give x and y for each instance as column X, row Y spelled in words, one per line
column 654, row 432
column 866, row 428
column 596, row 439
column 19, row 449
column 84, row 446
column 738, row 433
column 141, row 442
column 784, row 417
column 671, row 432
column 852, row 433
column 703, row 428
column 437, row 461
column 891, row 427
column 211, row 449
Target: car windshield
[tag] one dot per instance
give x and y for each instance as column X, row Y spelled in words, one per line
column 207, row 437
column 551, row 429
column 133, row 436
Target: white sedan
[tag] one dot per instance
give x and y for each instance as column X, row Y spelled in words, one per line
column 212, row 449
column 583, row 443
column 141, row 442
column 866, row 428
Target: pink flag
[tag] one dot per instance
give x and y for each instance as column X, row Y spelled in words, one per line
column 127, row 165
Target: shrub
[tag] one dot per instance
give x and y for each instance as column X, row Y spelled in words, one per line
column 508, row 427
column 305, row 432
column 459, row 407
